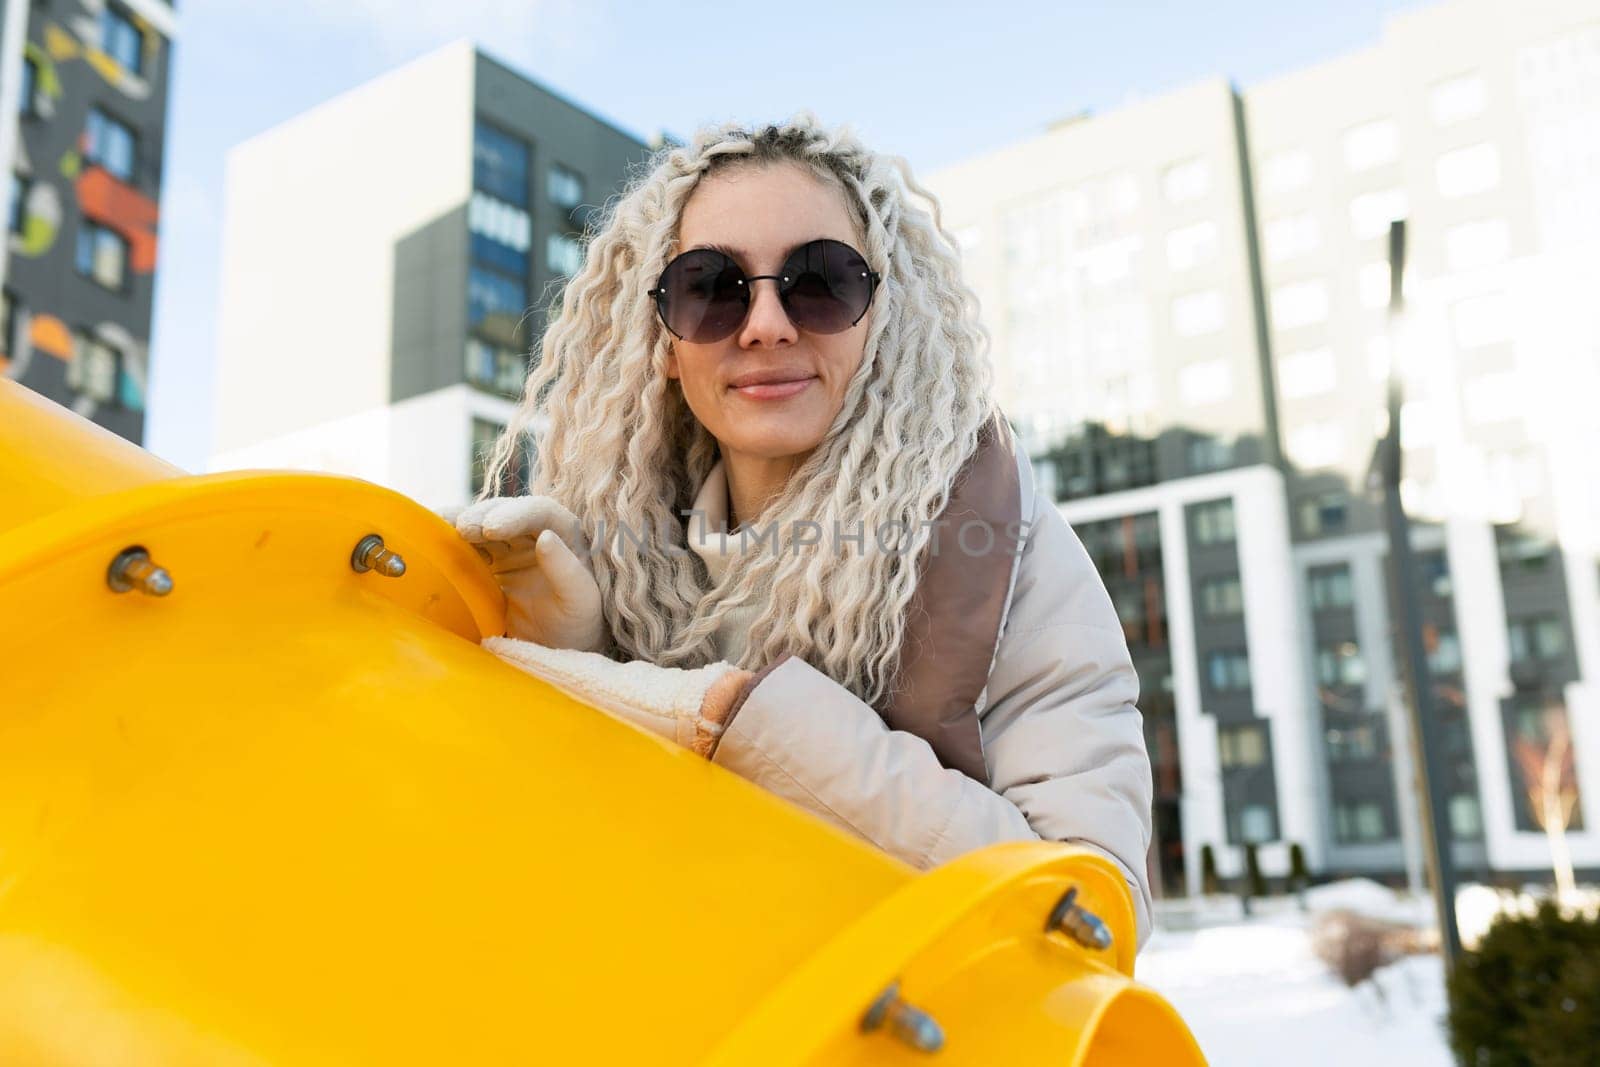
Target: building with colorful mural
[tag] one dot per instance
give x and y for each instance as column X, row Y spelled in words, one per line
column 87, row 83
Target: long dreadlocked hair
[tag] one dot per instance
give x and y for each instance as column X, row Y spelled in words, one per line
column 619, row 447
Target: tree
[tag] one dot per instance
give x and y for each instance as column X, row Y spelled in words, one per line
column 1550, row 784
column 1210, row 883
column 1254, row 884
column 1299, row 875
column 1525, row 996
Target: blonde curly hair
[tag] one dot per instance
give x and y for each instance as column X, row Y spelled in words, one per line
column 619, row 447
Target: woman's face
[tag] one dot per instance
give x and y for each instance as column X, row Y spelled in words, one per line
column 769, row 390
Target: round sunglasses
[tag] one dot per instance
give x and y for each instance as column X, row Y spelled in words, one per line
column 825, row 286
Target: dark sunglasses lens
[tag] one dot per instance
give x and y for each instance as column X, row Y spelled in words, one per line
column 829, row 286
column 702, row 299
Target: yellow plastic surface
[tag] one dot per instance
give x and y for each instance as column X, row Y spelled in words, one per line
column 293, row 814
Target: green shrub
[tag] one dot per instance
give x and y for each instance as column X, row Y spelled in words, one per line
column 1210, row 883
column 1299, row 874
column 1255, row 884
column 1529, row 994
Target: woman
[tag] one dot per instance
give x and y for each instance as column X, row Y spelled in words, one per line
column 868, row 610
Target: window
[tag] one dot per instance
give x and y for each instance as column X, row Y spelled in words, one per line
column 1189, row 180
column 1329, row 587
column 1286, row 171
column 494, row 367
column 1466, row 817
column 1257, row 824
column 1194, row 314
column 1190, row 246
column 1241, row 746
column 1205, row 383
column 121, row 40
column 1208, row 453
column 102, row 254
column 1371, row 144
column 501, row 234
column 566, row 187
column 1324, row 513
column 1537, row 640
column 1532, row 723
column 500, row 164
column 1309, row 372
column 1457, row 99
column 1444, row 650
column 1299, row 304
column 29, row 101
column 1524, row 551
column 1110, row 261
column 1316, row 445
column 94, row 369
column 1213, row 522
column 492, row 299
column 1370, row 214
column 1351, row 742
column 485, row 433
column 1466, row 171
column 564, row 254
column 1228, row 671
column 1292, row 236
column 1433, row 567
column 1222, row 597
column 110, row 144
column 1340, row 664
column 19, row 202
column 1477, row 244
column 1359, row 822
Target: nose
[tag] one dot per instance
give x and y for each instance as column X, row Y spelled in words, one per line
column 766, row 324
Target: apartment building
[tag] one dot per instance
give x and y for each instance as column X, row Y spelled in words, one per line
column 387, row 260
column 83, row 92
column 1188, row 303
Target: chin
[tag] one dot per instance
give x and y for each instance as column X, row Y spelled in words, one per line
column 777, row 443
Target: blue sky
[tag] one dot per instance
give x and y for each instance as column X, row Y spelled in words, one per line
column 931, row 81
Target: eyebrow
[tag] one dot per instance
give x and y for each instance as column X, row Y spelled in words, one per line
column 726, row 250
column 742, row 256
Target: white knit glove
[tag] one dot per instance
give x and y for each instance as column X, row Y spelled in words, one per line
column 667, row 701
column 532, row 545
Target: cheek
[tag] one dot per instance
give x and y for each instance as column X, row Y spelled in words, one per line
column 845, row 357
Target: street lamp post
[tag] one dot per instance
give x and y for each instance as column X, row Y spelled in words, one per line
column 1425, row 729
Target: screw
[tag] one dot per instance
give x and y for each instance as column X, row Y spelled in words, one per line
column 134, row 569
column 370, row 555
column 1078, row 922
column 910, row 1024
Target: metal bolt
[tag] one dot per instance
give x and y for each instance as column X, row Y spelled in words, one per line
column 134, row 569
column 370, row 555
column 910, row 1024
column 1078, row 922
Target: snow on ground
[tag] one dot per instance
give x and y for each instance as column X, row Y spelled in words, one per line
column 1253, row 992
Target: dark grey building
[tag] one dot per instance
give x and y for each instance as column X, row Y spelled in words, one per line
column 420, row 227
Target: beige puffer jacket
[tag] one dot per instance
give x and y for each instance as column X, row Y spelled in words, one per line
column 1062, row 736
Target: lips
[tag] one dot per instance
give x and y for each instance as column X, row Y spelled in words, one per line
column 770, row 377
column 771, row 384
